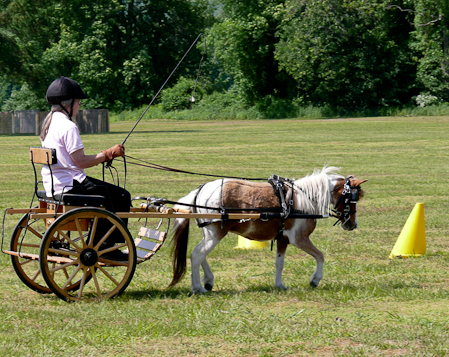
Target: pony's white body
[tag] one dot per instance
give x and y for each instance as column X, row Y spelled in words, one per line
column 312, row 194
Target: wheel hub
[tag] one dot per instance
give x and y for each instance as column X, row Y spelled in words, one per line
column 88, row 257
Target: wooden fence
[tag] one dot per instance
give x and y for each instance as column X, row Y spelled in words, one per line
column 29, row 121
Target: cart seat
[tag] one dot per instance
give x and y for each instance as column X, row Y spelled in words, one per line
column 47, row 156
column 69, row 199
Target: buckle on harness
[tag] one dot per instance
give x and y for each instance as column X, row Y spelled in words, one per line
column 224, row 216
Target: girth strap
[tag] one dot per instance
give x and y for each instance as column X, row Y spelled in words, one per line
column 285, row 195
column 206, row 223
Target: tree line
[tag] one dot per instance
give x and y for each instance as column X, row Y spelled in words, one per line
column 351, row 54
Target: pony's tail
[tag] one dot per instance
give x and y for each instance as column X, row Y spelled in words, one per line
column 179, row 249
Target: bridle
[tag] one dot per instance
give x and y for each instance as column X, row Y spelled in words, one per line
column 349, row 196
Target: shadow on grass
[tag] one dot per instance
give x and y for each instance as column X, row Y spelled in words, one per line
column 176, row 293
column 153, row 294
column 334, row 291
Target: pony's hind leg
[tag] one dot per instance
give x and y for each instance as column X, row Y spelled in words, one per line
column 211, row 237
column 208, row 277
column 306, row 245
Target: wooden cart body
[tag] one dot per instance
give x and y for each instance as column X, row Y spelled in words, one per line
column 63, row 255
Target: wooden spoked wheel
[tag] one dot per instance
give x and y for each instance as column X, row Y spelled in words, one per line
column 73, row 249
column 26, row 239
column 25, row 242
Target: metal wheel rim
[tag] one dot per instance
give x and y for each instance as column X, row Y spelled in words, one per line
column 28, row 270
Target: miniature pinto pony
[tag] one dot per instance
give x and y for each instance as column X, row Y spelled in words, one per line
column 313, row 195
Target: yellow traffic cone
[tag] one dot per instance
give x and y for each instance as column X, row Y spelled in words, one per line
column 244, row 243
column 412, row 240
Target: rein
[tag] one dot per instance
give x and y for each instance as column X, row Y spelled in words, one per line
column 144, row 163
column 284, row 212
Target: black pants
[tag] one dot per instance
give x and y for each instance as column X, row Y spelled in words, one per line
column 117, row 200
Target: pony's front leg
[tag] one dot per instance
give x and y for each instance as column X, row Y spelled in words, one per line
column 306, row 245
column 318, row 274
column 279, row 263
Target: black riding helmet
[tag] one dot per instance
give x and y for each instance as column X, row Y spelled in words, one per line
column 64, row 89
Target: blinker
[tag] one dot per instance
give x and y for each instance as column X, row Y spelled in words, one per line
column 355, row 196
column 348, row 194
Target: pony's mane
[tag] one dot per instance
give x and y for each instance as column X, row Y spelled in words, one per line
column 312, row 191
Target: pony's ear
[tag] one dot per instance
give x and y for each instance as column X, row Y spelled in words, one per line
column 357, row 182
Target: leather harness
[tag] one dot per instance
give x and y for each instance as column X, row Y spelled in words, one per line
column 283, row 189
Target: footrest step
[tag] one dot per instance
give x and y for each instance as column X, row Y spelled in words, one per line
column 146, row 246
column 152, row 234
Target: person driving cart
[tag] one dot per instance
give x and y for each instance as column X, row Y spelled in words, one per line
column 61, row 133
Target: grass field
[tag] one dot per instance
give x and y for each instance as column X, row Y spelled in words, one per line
column 366, row 304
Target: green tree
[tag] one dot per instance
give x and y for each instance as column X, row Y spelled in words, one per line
column 432, row 41
column 22, row 99
column 120, row 51
column 26, row 29
column 180, row 95
column 5, row 90
column 347, row 53
column 243, row 41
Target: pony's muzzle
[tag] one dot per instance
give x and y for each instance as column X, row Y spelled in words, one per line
column 349, row 226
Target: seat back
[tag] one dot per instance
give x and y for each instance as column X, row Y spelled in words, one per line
column 44, row 156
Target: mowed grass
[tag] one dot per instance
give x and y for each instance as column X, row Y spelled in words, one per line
column 366, row 304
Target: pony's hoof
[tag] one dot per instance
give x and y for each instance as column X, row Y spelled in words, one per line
column 199, row 291
column 208, row 286
column 313, row 284
column 281, row 287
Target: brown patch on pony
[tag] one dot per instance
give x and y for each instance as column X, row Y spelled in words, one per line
column 281, row 246
column 245, row 194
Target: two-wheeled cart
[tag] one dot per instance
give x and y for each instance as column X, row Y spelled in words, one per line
column 55, row 247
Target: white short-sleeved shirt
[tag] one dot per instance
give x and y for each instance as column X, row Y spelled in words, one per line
column 64, row 136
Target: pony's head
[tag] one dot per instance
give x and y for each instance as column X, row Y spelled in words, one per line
column 345, row 195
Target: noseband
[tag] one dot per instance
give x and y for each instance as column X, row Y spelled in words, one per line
column 347, row 198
